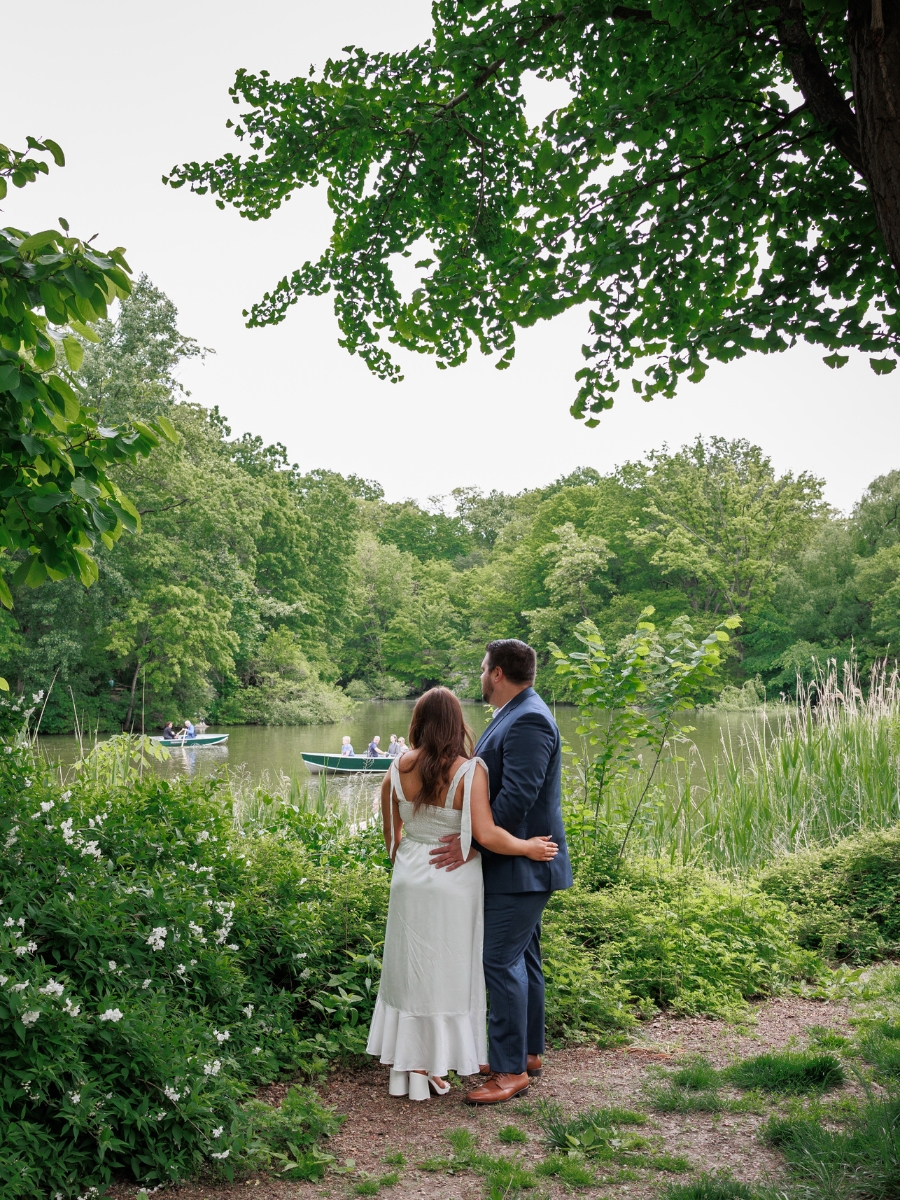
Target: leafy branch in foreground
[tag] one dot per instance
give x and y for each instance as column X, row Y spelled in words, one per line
column 720, row 181
column 56, row 497
column 628, row 700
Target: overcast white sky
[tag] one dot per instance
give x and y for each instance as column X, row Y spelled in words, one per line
column 131, row 89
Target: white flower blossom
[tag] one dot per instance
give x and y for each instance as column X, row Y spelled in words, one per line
column 29, row 948
column 72, row 1009
column 146, row 983
column 305, row 973
column 217, row 1132
column 3, row 979
column 212, row 1068
column 160, row 1114
column 172, row 1095
column 18, row 987
column 224, row 1036
column 11, row 838
column 112, row 1014
column 46, row 805
column 157, row 938
column 8, row 923
column 202, row 836
column 112, row 964
column 21, row 922
column 180, row 969
column 52, row 988
column 224, row 1154
column 232, row 946
column 29, row 1018
column 75, row 1097
column 247, row 1010
column 92, row 848
column 257, row 1050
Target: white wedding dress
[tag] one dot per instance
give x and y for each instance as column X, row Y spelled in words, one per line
column 430, row 1013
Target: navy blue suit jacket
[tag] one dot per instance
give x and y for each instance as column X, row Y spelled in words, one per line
column 523, row 753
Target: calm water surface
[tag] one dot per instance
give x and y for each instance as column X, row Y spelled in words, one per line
column 264, row 753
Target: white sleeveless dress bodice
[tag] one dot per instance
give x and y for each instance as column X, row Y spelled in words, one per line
column 430, row 1013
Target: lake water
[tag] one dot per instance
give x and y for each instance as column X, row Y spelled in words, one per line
column 258, row 752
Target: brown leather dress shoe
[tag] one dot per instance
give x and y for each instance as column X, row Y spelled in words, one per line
column 498, row 1088
column 484, row 1069
column 534, row 1066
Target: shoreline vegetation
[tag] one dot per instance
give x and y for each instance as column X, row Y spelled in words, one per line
column 169, row 946
column 257, row 592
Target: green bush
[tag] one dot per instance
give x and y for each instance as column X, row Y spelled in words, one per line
column 154, row 966
column 845, row 900
column 669, row 937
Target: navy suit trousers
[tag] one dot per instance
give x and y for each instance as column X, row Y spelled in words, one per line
column 515, row 981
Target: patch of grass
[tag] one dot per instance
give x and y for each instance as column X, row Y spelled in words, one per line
column 435, row 1164
column 789, row 1072
column 572, row 1171
column 505, row 1173
column 698, row 1075
column 860, row 1160
column 563, row 1132
column 670, row 1098
column 511, row 1134
column 879, row 1044
column 711, row 1187
column 827, row 1039
column 463, row 1141
column 396, row 1159
column 675, row 1164
column 368, row 1187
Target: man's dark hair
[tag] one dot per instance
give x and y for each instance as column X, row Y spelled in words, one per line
column 516, row 659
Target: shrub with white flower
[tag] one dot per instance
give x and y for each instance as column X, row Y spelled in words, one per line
column 157, row 938
column 217, row 1133
column 221, row 1036
column 29, row 1018
column 171, row 1094
column 52, row 988
column 112, row 1014
column 212, row 1068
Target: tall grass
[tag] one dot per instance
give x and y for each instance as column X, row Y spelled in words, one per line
column 806, row 774
column 256, row 803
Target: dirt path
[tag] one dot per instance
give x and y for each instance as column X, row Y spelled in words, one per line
column 580, row 1078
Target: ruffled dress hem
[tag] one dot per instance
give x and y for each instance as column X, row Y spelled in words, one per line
column 437, row 1042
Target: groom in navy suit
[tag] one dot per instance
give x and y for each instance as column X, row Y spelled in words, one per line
column 522, row 750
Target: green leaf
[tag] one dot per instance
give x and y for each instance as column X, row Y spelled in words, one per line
column 74, row 352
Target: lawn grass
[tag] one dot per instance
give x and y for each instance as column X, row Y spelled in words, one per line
column 787, row 1072
column 711, row 1187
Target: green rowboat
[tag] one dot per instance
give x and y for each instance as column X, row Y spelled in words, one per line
column 344, row 764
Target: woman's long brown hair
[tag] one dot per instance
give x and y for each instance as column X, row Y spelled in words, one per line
column 440, row 734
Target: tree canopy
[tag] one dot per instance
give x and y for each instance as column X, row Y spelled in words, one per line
column 57, row 498
column 723, row 179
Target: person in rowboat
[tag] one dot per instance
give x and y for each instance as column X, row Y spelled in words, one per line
column 373, row 751
column 393, row 747
column 169, row 731
column 188, row 733
column 346, row 748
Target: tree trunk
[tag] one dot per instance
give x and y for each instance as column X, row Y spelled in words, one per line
column 873, row 34
column 126, row 726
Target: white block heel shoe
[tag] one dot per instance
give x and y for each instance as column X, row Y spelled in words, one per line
column 438, row 1086
column 399, row 1083
column 418, row 1086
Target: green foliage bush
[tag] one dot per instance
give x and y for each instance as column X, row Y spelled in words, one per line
column 673, row 937
column 154, row 966
column 845, row 900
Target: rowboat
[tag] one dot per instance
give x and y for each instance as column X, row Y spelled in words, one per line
column 202, row 739
column 344, row 764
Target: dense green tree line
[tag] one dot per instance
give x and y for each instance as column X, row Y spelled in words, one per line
column 258, row 593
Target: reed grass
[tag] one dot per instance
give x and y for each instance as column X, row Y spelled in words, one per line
column 806, row 774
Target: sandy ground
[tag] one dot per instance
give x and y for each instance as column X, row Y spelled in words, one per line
column 579, row 1078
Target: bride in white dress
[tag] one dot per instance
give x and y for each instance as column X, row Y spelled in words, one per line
column 430, row 1014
